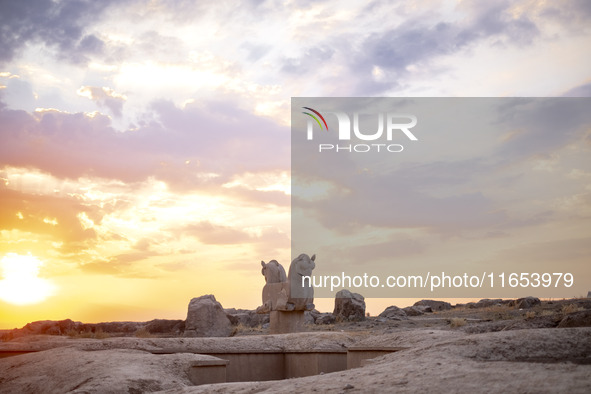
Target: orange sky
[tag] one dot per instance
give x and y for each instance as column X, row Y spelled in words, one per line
column 145, row 146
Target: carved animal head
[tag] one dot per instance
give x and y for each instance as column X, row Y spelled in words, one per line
column 273, row 272
column 302, row 265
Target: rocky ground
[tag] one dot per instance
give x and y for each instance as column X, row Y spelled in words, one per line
column 490, row 346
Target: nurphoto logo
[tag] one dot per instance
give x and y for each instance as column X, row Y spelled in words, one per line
column 389, row 126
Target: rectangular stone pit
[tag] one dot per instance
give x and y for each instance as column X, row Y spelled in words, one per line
column 249, row 366
column 208, row 371
column 357, row 355
column 308, row 363
column 277, row 365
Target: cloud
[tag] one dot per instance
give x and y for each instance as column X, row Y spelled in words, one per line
column 467, row 176
column 57, row 24
column 392, row 53
column 27, row 212
column 388, row 251
column 128, row 265
column 573, row 15
column 394, row 207
column 270, row 197
column 212, row 234
column 266, row 241
column 575, row 251
column 143, row 244
column 542, row 126
column 382, row 46
column 583, row 90
column 180, row 146
column 19, row 93
column 104, row 97
column 309, row 60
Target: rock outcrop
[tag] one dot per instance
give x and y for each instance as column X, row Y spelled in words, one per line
column 526, row 302
column 349, row 306
column 434, row 305
column 246, row 318
column 71, row 370
column 485, row 303
column 576, row 319
column 165, row 327
column 206, row 318
column 322, row 318
column 417, row 310
column 159, row 327
column 393, row 313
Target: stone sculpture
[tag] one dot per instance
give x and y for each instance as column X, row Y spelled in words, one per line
column 301, row 294
column 283, row 293
column 273, row 272
column 287, row 297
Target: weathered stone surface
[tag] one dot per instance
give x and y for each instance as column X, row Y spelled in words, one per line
column 516, row 361
column 124, row 327
column 275, row 297
column 486, row 303
column 417, row 310
column 349, row 306
column 315, row 313
column 206, row 318
column 394, row 313
column 434, row 305
column 322, row 318
column 233, row 311
column 526, row 302
column 576, row 319
column 326, row 318
column 282, row 322
column 238, row 318
column 50, row 327
column 247, row 318
column 69, row 370
column 161, row 326
column 308, row 318
column 69, row 327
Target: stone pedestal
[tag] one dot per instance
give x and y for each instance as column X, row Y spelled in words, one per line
column 283, row 322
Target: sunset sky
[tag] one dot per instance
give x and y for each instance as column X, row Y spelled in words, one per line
column 145, row 145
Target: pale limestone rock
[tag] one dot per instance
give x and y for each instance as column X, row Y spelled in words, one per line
column 206, row 318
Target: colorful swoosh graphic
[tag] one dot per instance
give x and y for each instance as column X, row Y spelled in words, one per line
column 315, row 118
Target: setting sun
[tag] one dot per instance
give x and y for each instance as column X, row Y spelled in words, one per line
column 20, row 284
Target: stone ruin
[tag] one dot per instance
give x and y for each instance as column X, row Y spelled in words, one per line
column 286, row 297
column 206, row 318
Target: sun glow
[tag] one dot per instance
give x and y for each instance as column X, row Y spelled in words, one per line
column 21, row 284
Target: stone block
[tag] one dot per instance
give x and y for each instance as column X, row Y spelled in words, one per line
column 282, row 322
